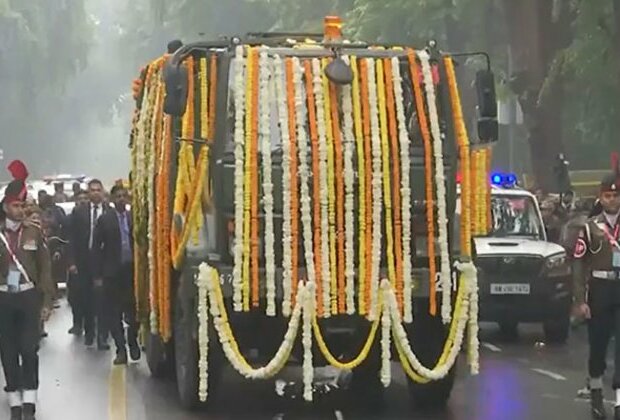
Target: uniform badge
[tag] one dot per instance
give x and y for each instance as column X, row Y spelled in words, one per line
column 30, row 246
column 580, row 248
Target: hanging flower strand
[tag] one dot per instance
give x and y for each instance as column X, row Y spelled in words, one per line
column 267, row 97
column 287, row 270
column 323, row 192
column 405, row 192
column 316, row 186
column 239, row 152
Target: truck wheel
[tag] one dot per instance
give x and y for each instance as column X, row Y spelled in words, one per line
column 186, row 357
column 158, row 356
column 557, row 330
column 509, row 329
column 366, row 390
column 427, row 336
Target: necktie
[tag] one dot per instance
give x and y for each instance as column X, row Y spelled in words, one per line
column 92, row 225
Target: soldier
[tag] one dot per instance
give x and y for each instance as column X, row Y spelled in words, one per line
column 597, row 290
column 25, row 297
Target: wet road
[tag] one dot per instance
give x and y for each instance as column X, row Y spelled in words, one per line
column 519, row 380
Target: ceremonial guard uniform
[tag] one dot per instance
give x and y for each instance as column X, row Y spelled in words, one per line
column 25, row 297
column 597, row 289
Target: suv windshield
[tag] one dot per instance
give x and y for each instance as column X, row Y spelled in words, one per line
column 515, row 216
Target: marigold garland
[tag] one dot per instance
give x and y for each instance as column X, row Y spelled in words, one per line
column 385, row 155
column 331, row 184
column 247, row 190
column 212, row 97
column 254, row 239
column 292, row 124
column 316, row 185
column 415, row 74
column 339, row 198
column 359, row 140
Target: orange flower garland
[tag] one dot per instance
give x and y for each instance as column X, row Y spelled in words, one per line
column 212, row 96
column 428, row 177
column 290, row 95
column 316, row 186
column 398, row 246
column 254, row 240
column 247, row 190
column 164, row 224
column 339, row 167
column 487, row 202
column 368, row 181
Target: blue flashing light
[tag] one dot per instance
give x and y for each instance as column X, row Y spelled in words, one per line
column 504, row 180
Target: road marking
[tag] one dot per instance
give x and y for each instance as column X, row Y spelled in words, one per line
column 491, row 347
column 117, row 395
column 550, row 374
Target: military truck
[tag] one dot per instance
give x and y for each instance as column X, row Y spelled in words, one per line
column 184, row 76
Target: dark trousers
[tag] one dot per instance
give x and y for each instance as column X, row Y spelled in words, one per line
column 93, row 307
column 121, row 306
column 20, row 314
column 604, row 301
column 74, row 295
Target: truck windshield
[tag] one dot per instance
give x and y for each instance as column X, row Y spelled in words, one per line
column 515, row 216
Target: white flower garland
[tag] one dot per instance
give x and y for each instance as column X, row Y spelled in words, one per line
column 400, row 335
column 222, row 327
column 349, row 189
column 239, row 138
column 304, row 175
column 306, row 339
column 442, row 222
column 286, row 189
column 322, row 132
column 471, row 273
column 377, row 193
column 266, row 95
column 405, row 191
column 386, row 338
column 203, row 333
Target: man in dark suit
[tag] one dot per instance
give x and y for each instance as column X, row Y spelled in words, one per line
column 113, row 264
column 90, row 308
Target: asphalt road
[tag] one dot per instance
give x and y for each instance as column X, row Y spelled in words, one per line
column 523, row 379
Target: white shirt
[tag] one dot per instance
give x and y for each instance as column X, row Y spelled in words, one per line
column 612, row 219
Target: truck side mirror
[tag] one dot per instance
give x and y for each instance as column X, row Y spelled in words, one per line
column 175, row 80
column 488, row 129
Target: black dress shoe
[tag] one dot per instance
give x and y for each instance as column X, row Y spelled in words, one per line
column 596, row 404
column 134, row 352
column 89, row 340
column 103, row 346
column 121, row 357
column 16, row 413
column 28, row 412
column 77, row 331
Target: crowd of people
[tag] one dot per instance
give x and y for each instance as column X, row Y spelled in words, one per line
column 90, row 249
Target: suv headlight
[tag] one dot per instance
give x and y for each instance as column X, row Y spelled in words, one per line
column 557, row 265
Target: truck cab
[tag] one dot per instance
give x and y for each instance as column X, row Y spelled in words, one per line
column 523, row 277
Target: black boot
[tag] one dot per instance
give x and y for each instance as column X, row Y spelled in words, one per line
column 28, row 411
column 134, row 351
column 121, row 357
column 597, row 405
column 102, row 344
column 16, row 413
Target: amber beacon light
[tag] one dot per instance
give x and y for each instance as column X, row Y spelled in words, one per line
column 332, row 28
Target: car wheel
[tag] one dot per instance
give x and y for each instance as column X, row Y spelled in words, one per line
column 557, row 330
column 509, row 329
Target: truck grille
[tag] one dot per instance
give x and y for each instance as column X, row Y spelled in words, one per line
column 509, row 267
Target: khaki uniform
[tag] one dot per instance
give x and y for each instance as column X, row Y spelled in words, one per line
column 20, row 310
column 597, row 282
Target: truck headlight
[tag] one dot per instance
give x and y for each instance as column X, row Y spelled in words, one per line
column 557, row 266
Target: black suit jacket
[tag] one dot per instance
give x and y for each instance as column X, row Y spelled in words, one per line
column 79, row 228
column 107, row 245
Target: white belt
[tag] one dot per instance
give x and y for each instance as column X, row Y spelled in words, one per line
column 606, row 275
column 22, row 288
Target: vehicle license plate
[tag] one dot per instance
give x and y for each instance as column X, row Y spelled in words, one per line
column 510, row 289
